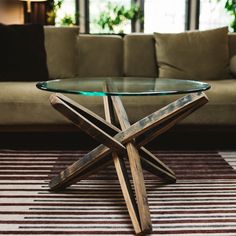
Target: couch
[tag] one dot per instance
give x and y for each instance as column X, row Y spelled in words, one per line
column 26, row 108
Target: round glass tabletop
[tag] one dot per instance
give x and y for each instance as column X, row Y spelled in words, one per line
column 122, row 86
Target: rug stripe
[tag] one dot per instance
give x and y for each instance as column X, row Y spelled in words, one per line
column 202, row 202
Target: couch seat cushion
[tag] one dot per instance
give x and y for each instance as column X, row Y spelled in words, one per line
column 23, row 104
column 220, row 110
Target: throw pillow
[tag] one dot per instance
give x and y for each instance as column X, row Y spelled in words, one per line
column 100, row 55
column 23, row 55
column 197, row 55
column 60, row 44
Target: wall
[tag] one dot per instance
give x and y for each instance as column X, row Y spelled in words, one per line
column 11, row 13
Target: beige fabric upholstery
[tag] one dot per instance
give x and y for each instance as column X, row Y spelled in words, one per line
column 232, row 51
column 100, row 55
column 60, row 43
column 27, row 105
column 23, row 104
column 220, row 110
column 232, row 44
column 233, row 65
column 139, row 55
column 198, row 55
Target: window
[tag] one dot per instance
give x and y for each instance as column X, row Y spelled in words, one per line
column 159, row 15
column 164, row 16
column 67, row 13
column 213, row 15
column 96, row 7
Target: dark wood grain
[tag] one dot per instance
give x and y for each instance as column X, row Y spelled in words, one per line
column 136, row 169
column 91, row 116
column 84, row 124
column 113, row 140
column 122, row 173
column 153, row 121
column 152, row 164
column 170, row 121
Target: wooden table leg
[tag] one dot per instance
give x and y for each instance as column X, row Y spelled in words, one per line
column 172, row 120
column 122, row 174
column 136, row 169
column 86, row 125
column 112, row 130
column 91, row 161
column 152, row 164
column 149, row 161
column 115, row 139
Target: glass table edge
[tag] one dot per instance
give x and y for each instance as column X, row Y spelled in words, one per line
column 41, row 85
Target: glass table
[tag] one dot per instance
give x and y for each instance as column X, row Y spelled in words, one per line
column 128, row 141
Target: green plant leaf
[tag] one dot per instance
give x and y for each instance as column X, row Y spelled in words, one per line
column 116, row 15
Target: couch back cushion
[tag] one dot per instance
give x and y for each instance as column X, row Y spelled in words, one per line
column 100, row 55
column 197, row 55
column 60, row 43
column 139, row 55
column 140, row 58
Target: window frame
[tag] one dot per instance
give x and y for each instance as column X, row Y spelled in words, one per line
column 192, row 15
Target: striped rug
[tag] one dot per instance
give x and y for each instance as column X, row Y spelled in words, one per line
column 202, row 202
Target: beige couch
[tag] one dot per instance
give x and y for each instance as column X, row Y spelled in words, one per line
column 26, row 108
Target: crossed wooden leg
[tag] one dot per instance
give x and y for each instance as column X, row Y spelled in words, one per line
column 116, row 144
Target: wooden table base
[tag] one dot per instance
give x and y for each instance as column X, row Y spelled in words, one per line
column 117, row 144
